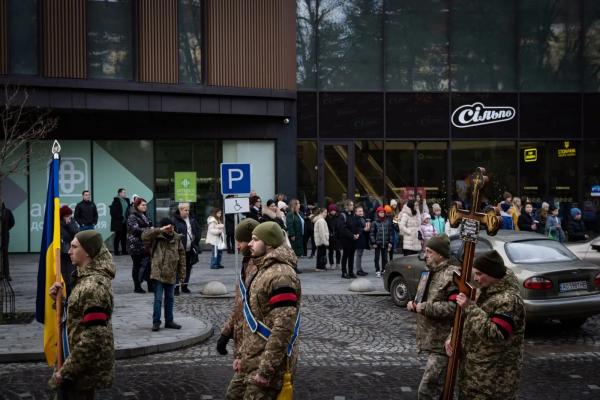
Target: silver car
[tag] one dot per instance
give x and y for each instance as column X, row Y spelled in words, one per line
column 554, row 282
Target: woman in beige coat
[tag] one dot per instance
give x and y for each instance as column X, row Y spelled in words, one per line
column 409, row 229
column 321, row 238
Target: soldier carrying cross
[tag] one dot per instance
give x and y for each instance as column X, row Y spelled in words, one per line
column 489, row 325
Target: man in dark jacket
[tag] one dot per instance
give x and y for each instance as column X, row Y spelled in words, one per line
column 86, row 214
column 118, row 221
column 576, row 227
column 6, row 224
column 189, row 229
column 349, row 232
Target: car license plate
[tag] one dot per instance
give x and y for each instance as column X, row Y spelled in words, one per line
column 568, row 286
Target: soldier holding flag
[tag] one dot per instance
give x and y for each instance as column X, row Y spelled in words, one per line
column 492, row 342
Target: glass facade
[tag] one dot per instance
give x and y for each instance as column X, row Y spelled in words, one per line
column 109, row 39
column 190, row 41
column 23, row 36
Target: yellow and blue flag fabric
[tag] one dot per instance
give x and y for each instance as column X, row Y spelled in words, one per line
column 45, row 312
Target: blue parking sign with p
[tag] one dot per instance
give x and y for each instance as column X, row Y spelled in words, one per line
column 235, row 178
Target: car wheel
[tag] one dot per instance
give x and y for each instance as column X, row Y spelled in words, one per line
column 573, row 322
column 399, row 291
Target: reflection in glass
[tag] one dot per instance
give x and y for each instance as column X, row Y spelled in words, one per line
column 204, row 157
column 532, row 159
column 483, row 45
column 190, row 41
column 350, row 44
column 497, row 157
column 109, row 38
column 22, row 36
column 400, row 169
column 306, row 170
column 416, row 46
column 368, row 172
column 562, row 171
column 306, row 43
column 549, row 45
column 431, row 171
column 335, row 164
column 591, row 50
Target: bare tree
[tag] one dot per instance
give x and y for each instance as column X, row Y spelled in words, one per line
column 20, row 125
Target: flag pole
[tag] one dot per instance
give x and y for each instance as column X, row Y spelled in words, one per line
column 58, row 279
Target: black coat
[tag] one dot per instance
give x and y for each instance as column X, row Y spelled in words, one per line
column 181, row 228
column 332, row 225
column 266, row 218
column 86, row 213
column 117, row 220
column 381, row 232
column 229, row 224
column 348, row 226
column 137, row 223
column 525, row 221
column 364, row 240
column 576, row 230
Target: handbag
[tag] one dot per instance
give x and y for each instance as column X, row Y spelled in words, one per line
column 221, row 245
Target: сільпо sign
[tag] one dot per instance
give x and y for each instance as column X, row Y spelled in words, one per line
column 185, row 187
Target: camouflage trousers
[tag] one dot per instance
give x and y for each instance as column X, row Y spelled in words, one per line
column 240, row 389
column 432, row 382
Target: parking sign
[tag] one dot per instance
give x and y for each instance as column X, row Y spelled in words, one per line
column 235, row 178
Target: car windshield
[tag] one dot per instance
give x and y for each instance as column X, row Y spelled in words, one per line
column 538, row 251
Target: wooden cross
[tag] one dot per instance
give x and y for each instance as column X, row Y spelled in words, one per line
column 469, row 222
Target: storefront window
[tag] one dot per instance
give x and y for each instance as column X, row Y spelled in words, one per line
column 591, row 185
column 499, row 160
column 533, row 165
column 591, row 52
column 431, row 171
column 307, row 171
column 483, row 43
column 368, row 173
column 400, row 169
column 350, row 44
column 562, row 172
column 306, row 43
column 416, row 45
column 202, row 157
column 109, row 44
column 549, row 45
column 336, row 176
column 23, row 36
column 190, row 41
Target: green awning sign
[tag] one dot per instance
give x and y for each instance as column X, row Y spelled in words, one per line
column 185, row 187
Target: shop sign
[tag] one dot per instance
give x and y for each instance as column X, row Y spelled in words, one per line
column 567, row 150
column 477, row 114
column 185, row 187
column 596, row 191
column 530, row 155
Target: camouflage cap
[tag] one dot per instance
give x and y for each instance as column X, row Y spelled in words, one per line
column 270, row 233
column 243, row 232
column 91, row 241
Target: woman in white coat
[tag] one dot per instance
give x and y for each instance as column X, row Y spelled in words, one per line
column 409, row 229
column 214, row 237
column 321, row 238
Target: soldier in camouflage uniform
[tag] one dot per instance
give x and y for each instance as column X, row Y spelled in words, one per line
column 91, row 360
column 168, row 260
column 492, row 341
column 234, row 326
column 274, row 298
column 435, row 314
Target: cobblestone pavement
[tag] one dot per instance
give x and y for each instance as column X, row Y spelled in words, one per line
column 353, row 347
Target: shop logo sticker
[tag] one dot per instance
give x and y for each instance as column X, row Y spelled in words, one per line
column 477, row 114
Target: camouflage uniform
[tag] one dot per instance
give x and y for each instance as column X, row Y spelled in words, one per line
column 91, row 361
column 433, row 326
column 493, row 343
column 234, row 326
column 168, row 255
column 269, row 297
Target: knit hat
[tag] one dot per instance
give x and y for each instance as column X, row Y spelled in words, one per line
column 270, row 233
column 426, row 216
column 393, row 203
column 387, row 209
column 491, row 263
column 91, row 241
column 380, row 209
column 440, row 244
column 243, row 232
column 332, row 207
column 65, row 211
column 281, row 205
column 575, row 211
column 165, row 221
column 505, row 206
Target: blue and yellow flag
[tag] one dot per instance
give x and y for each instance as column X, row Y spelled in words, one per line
column 45, row 313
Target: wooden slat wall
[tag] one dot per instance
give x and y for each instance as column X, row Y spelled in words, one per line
column 251, row 43
column 64, row 38
column 158, row 44
column 3, row 38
